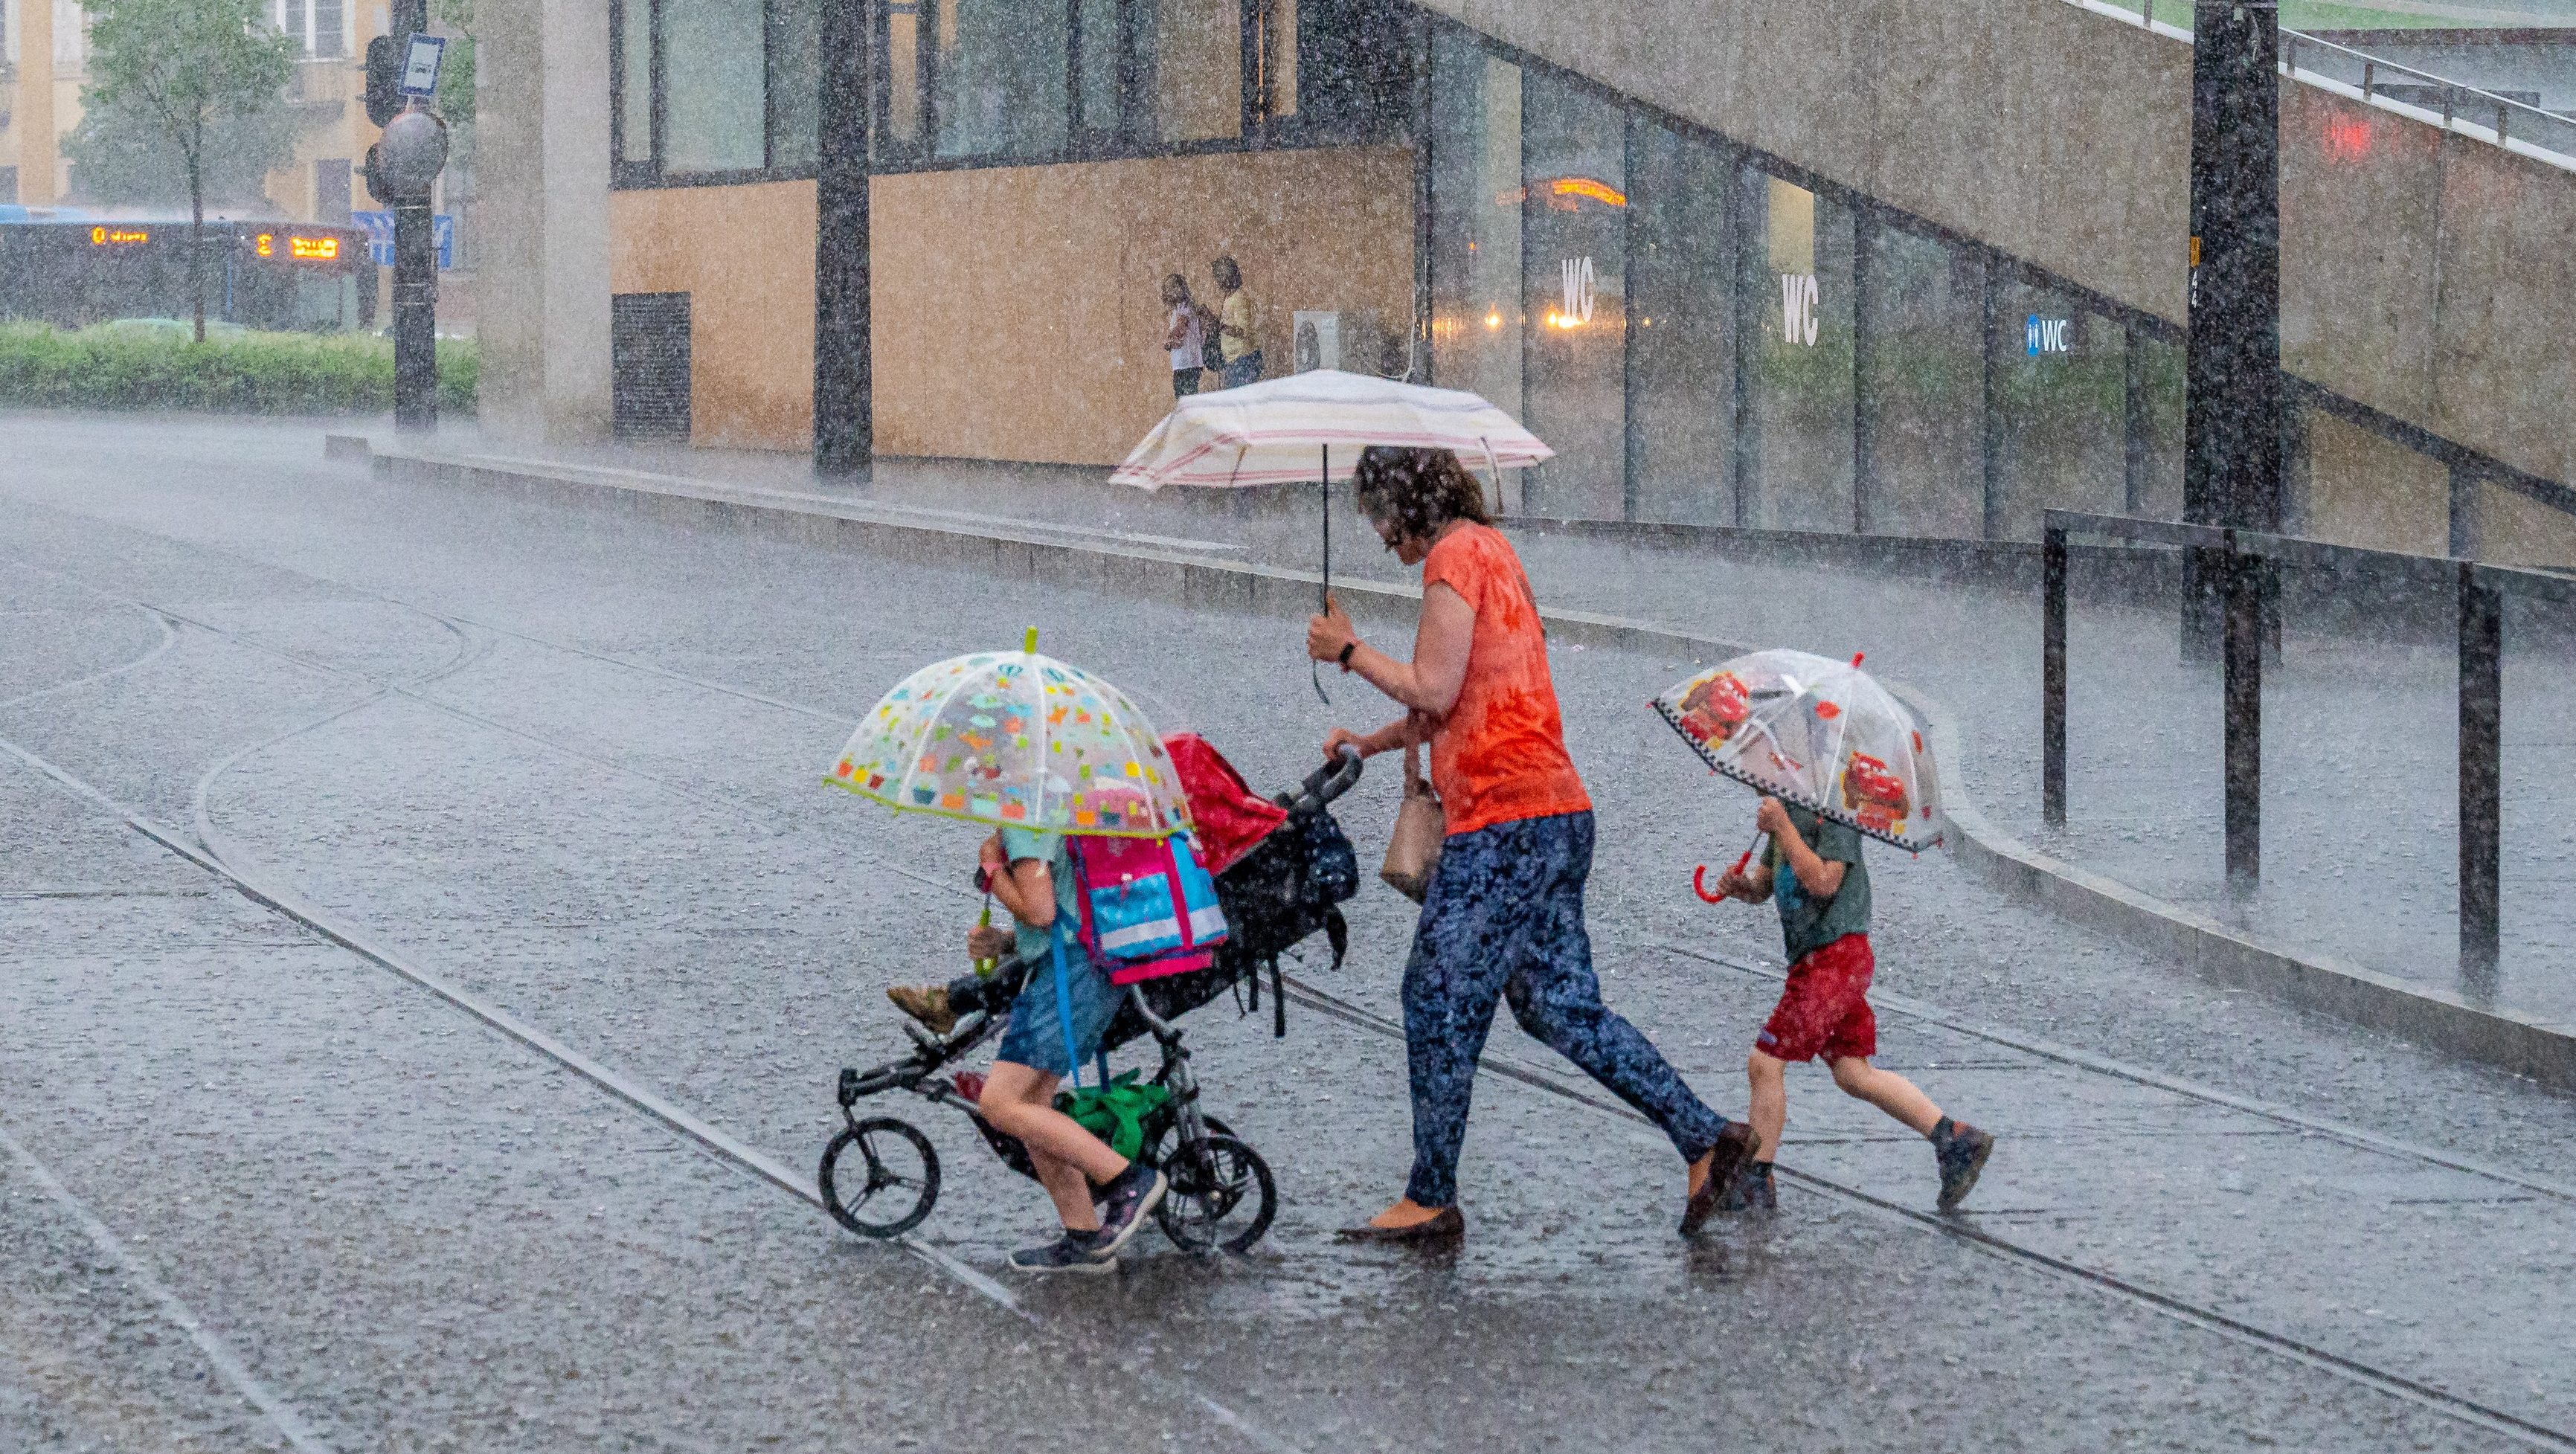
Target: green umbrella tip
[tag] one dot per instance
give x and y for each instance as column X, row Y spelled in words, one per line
column 1029, row 643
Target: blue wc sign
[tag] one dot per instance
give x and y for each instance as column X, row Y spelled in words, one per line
column 2048, row 335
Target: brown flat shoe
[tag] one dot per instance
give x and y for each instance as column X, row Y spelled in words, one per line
column 1446, row 1225
column 927, row 1004
column 1726, row 1162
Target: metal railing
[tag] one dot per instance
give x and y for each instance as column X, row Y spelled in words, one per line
column 2240, row 563
column 2457, row 106
column 2517, row 126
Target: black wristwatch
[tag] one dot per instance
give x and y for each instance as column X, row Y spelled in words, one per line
column 1344, row 657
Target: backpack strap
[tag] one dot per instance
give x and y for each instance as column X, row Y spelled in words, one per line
column 1064, row 1013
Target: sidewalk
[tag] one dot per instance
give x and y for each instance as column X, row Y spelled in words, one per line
column 2360, row 779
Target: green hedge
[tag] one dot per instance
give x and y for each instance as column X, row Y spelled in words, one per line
column 126, row 366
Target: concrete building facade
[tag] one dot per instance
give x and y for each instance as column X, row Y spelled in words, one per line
column 1881, row 267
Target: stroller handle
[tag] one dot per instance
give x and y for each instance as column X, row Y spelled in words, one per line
column 1325, row 783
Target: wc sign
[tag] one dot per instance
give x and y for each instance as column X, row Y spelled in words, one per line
column 1577, row 276
column 1798, row 300
column 2047, row 335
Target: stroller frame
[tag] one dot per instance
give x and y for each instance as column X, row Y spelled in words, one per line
column 1213, row 1173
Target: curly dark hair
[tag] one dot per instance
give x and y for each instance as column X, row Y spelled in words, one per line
column 1420, row 490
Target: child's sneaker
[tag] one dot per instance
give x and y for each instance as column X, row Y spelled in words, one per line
column 1961, row 1151
column 1072, row 1252
column 1754, row 1191
column 1123, row 1206
column 926, row 1003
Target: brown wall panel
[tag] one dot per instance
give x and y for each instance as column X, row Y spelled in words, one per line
column 745, row 257
column 1017, row 314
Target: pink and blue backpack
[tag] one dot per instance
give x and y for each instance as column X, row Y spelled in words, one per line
column 1149, row 909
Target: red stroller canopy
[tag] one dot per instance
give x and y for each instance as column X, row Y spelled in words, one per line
column 1232, row 818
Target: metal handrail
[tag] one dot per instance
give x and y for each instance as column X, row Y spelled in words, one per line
column 2432, row 570
column 2536, row 120
column 2480, row 591
column 2516, row 123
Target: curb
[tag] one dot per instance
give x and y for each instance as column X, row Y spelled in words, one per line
column 2542, row 1050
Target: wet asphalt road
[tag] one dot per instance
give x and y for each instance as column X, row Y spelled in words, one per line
column 491, row 737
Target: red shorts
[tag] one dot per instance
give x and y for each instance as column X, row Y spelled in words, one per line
column 1825, row 1010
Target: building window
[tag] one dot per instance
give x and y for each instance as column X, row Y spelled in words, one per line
column 330, row 29
column 630, row 38
column 1574, row 270
column 1681, row 362
column 1196, row 65
column 2059, row 408
column 1002, row 74
column 1476, row 225
column 1921, row 385
column 1794, row 452
column 713, row 88
column 714, row 81
column 795, row 83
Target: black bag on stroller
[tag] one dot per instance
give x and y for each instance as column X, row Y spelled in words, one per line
column 1290, row 885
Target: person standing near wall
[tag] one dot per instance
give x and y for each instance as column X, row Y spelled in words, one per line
column 1238, row 343
column 1184, row 336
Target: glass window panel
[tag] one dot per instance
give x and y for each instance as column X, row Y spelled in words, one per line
column 1197, row 68
column 1796, row 455
column 795, row 82
column 2156, row 491
column 1476, row 227
column 1347, row 67
column 1279, row 57
column 329, row 28
column 713, row 75
column 2060, row 405
column 1574, row 224
column 1681, row 349
column 635, row 80
column 901, row 133
column 1002, row 78
column 1922, row 382
column 1099, row 66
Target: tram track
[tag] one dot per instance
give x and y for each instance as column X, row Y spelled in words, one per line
column 206, row 854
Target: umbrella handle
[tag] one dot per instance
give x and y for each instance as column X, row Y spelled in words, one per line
column 1699, row 876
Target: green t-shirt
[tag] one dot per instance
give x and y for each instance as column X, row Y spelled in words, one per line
column 1809, row 923
column 1048, row 848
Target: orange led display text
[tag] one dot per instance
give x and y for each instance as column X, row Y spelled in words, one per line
column 117, row 236
column 313, row 247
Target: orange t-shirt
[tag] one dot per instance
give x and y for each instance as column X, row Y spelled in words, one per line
column 1499, row 756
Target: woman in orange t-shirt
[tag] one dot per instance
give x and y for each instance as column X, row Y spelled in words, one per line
column 1503, row 917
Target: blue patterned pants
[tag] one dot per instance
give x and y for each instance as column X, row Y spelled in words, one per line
column 1504, row 920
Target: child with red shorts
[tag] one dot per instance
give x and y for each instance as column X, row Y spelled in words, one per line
column 1812, row 871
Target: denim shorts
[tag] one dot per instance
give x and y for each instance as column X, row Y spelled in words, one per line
column 1035, row 1037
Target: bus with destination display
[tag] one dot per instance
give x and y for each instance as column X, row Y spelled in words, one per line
column 63, row 267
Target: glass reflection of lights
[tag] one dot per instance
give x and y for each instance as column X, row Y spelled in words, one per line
column 1601, row 192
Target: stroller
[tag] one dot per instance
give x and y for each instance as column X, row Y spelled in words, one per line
column 1282, row 879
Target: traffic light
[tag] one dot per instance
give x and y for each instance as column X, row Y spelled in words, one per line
column 384, row 78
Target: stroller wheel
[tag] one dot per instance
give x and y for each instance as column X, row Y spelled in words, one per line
column 879, row 1177
column 1221, row 1195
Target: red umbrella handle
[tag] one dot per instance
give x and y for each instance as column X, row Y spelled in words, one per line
column 1699, row 876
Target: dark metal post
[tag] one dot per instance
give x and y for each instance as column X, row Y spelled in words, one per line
column 2052, row 677
column 2232, row 361
column 2241, row 650
column 844, row 360
column 415, row 280
column 2481, row 618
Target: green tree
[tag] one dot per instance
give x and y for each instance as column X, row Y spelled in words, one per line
column 184, row 71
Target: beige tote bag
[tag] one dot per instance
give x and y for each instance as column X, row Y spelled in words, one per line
column 1420, row 826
